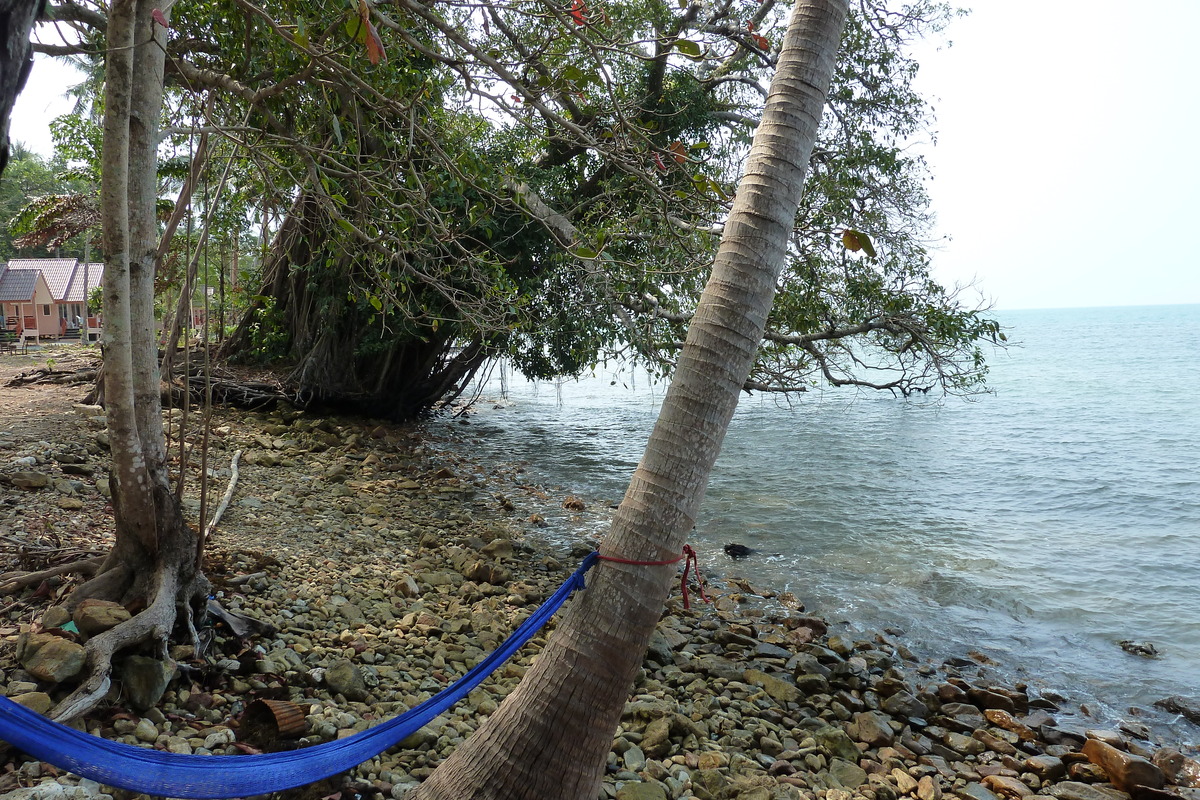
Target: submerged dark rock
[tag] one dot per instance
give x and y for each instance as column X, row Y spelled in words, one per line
column 1181, row 705
column 734, row 550
column 1144, row 649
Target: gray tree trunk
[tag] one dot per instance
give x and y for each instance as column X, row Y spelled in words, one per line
column 550, row 738
column 16, row 58
column 154, row 561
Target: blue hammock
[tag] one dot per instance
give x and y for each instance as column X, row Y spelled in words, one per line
column 176, row 775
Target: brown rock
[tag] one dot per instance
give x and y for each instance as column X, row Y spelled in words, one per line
column 872, row 728
column 35, row 701
column 905, row 783
column 1124, row 770
column 928, row 788
column 1177, row 768
column 1073, row 790
column 29, row 480
column 1005, row 720
column 499, row 549
column 485, row 572
column 96, row 616
column 57, row 660
column 994, row 742
column 949, row 693
column 30, row 643
column 779, row 690
column 407, row 587
column 55, row 617
column 1048, row 768
column 656, row 739
column 1006, row 786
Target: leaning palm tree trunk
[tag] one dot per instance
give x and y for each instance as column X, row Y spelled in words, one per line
column 550, row 737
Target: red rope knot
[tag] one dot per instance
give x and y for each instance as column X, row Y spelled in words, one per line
column 690, row 561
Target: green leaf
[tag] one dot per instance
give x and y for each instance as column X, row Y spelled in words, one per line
column 355, row 28
column 584, row 252
column 689, row 48
column 376, row 303
column 346, row 226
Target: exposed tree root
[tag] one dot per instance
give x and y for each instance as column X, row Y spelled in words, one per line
column 13, row 582
column 69, row 369
column 151, row 625
column 84, row 375
column 113, row 583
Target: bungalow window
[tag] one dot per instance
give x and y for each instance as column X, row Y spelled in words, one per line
column 45, row 311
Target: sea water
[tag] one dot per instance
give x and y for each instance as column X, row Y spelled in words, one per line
column 1040, row 525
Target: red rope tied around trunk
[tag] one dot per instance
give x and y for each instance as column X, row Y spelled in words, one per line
column 689, row 559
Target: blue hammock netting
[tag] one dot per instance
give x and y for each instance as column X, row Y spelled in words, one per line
column 176, row 775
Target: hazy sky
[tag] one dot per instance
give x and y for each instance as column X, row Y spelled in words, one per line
column 1063, row 172
column 1063, row 169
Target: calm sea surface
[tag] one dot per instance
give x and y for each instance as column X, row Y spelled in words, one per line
column 1041, row 524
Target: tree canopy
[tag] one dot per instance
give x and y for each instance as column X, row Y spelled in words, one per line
column 436, row 184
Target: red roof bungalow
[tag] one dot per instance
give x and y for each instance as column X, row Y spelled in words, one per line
column 46, row 295
column 27, row 303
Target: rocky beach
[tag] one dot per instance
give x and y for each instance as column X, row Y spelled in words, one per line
column 359, row 569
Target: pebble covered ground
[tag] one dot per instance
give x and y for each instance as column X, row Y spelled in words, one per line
column 367, row 570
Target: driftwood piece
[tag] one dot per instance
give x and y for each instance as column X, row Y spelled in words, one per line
column 85, row 374
column 187, row 381
column 220, row 512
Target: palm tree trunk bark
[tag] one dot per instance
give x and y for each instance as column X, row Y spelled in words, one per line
column 550, row 738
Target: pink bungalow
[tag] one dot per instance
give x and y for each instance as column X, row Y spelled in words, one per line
column 56, row 308
column 28, row 306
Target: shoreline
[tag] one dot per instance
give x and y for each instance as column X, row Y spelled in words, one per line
column 1003, row 603
column 997, row 661
column 399, row 568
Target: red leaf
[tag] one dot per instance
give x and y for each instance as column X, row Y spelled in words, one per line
column 658, row 160
column 679, row 152
column 375, row 51
column 578, row 9
column 158, row 16
column 761, row 41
